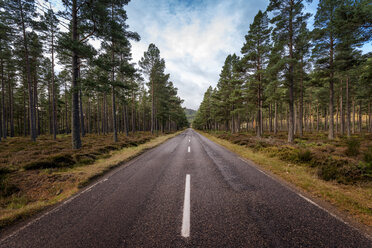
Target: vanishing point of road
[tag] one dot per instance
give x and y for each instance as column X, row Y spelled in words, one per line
column 187, row 192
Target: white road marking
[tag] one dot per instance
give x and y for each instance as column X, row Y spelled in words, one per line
column 189, row 141
column 310, row 201
column 56, row 209
column 258, row 169
column 185, row 231
column 188, row 149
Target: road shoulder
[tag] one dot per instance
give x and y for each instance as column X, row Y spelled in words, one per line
column 85, row 177
column 338, row 200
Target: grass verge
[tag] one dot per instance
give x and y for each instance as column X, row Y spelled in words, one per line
column 63, row 183
column 353, row 200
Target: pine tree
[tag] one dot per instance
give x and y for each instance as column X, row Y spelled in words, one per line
column 255, row 51
column 88, row 19
column 324, row 51
column 116, row 42
column 153, row 67
column 23, row 14
column 50, row 27
column 302, row 53
column 352, row 25
column 288, row 17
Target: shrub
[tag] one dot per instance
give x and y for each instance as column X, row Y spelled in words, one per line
column 328, row 172
column 260, row 145
column 59, row 161
column 304, row 155
column 339, row 170
column 4, row 171
column 353, row 146
column 6, row 189
column 368, row 156
column 84, row 159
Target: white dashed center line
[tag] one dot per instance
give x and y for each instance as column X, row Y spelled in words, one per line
column 185, row 231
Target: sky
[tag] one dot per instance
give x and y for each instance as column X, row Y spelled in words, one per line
column 194, row 37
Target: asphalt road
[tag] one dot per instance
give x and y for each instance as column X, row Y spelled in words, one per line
column 149, row 202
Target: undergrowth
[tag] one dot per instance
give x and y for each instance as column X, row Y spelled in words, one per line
column 335, row 160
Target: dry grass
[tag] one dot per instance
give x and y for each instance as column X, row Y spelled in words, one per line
column 353, row 199
column 31, row 190
column 345, row 160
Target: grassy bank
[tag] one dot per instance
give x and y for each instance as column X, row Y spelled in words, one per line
column 37, row 175
column 354, row 198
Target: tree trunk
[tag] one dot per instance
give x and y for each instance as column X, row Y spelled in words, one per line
column 347, row 108
column 306, row 115
column 291, row 77
column 360, row 117
column 76, row 141
column 336, row 129
column 369, row 117
column 66, row 111
column 81, row 113
column 104, row 114
column 125, row 119
column 301, row 104
column 36, row 106
column 353, row 123
column 259, row 113
column 11, row 109
column 114, row 114
column 24, row 113
column 295, row 119
column 276, row 118
column 113, row 87
column 89, row 117
column 3, row 123
column 311, row 118
column 331, row 92
column 133, row 114
column 50, row 109
column 232, row 124
column 28, row 74
column 317, row 118
column 54, row 119
column 270, row 118
column 325, row 119
column 342, row 114
column 152, row 107
column 98, row 130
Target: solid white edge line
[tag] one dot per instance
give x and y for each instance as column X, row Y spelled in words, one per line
column 56, row 209
column 310, row 201
column 185, row 231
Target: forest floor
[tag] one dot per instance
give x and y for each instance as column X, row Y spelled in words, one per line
column 35, row 175
column 337, row 171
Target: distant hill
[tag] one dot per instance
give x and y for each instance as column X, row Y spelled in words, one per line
column 190, row 114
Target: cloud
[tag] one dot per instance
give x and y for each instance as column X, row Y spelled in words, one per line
column 194, row 38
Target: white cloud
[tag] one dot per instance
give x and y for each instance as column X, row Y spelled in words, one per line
column 193, row 38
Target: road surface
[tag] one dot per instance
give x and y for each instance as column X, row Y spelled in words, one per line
column 187, row 192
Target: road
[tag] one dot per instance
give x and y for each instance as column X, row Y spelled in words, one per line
column 187, row 192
